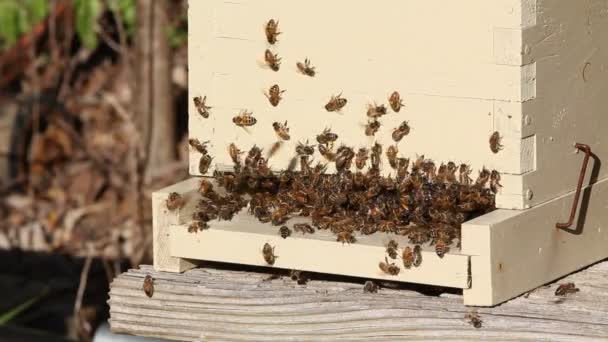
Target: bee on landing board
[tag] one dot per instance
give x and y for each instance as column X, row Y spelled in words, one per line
column 495, row 181
column 268, row 253
column 305, row 68
column 474, row 319
column 272, row 60
column 370, row 287
column 326, row 152
column 281, row 130
column 408, row 257
column 274, row 95
column 304, row 149
column 401, row 131
column 417, row 256
column 244, row 119
column 495, row 145
column 148, row 286
column 441, row 247
column 303, row 228
column 200, row 147
column 389, row 267
column 336, row 103
column 235, row 153
column 201, row 107
column 395, row 101
column 175, row 201
column 272, row 31
column 376, row 155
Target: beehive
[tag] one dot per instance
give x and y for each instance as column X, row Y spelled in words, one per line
column 532, row 70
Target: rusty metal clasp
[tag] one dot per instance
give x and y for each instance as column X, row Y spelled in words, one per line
column 581, row 178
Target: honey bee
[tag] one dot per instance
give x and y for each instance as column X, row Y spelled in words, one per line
column 200, row 147
column 361, row 158
column 441, row 247
column 417, row 256
column 201, row 107
column 395, row 101
column 254, row 154
column 495, row 145
column 148, row 286
column 374, row 111
column 335, row 103
column 376, row 155
column 391, row 154
column 389, row 268
column 370, row 287
column 303, row 228
column 197, row 225
column 274, row 95
column 298, row 276
column 326, row 152
column 346, row 236
column 482, row 179
column 495, row 181
column 304, row 149
column 274, row 148
column 402, row 166
column 408, row 257
column 474, row 319
column 464, row 174
column 268, row 253
column 401, row 131
column 372, row 127
column 285, row 232
column 305, row 68
column 565, row 289
column 327, row 137
column 235, row 153
column 281, row 130
column 204, row 163
column 205, row 187
column 391, row 249
column 272, row 60
column 272, row 31
column 244, row 119
column 175, row 201
column 344, row 158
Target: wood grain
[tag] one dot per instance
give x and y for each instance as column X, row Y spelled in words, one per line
column 221, row 305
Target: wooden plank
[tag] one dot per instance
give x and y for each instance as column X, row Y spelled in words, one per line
column 241, row 240
column 513, row 251
column 211, row 304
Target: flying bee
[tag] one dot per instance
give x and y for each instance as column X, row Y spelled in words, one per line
column 376, row 155
column 395, row 101
column 303, row 228
column 441, row 247
column 361, row 158
column 285, row 232
column 274, row 95
column 370, row 287
column 474, row 319
column 335, row 103
column 391, row 249
column 374, row 111
column 372, row 127
column 408, row 257
column 200, row 147
column 268, row 253
column 495, row 181
column 346, row 236
column 391, row 154
column 304, row 149
column 417, row 256
column 401, row 131
column 326, row 152
column 244, row 119
column 235, row 153
column 272, row 60
column 327, row 137
column 272, row 31
column 274, row 148
column 204, row 164
column 148, row 286
column 281, row 130
column 305, row 68
column 175, row 201
column 495, row 145
column 201, row 107
column 389, row 268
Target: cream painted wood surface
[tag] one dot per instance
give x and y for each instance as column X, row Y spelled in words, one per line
column 513, row 251
column 208, row 304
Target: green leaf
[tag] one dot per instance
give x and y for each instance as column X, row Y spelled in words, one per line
column 16, row 311
column 9, row 22
column 127, row 11
column 87, row 13
column 38, row 10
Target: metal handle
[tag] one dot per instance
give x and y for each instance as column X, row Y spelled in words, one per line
column 581, row 178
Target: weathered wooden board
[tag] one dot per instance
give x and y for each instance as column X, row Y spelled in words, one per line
column 217, row 305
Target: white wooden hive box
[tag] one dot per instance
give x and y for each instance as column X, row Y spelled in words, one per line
column 535, row 71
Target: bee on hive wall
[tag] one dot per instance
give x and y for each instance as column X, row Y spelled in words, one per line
column 274, row 148
column 326, row 152
column 372, row 127
column 281, row 130
column 391, row 155
column 417, row 256
column 495, row 181
column 200, row 147
column 235, row 153
column 272, row 60
column 391, row 249
column 305, row 68
column 441, row 247
column 374, row 111
column 495, row 145
column 244, row 119
column 272, row 31
column 464, row 174
column 401, row 131
column 395, row 101
column 408, row 257
column 389, row 267
column 274, row 95
column 148, row 286
column 268, row 253
column 336, row 103
column 285, row 232
column 201, row 107
column 195, row 226
column 204, row 163
column 327, row 137
column 361, row 158
column 175, row 201
column 346, row 236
